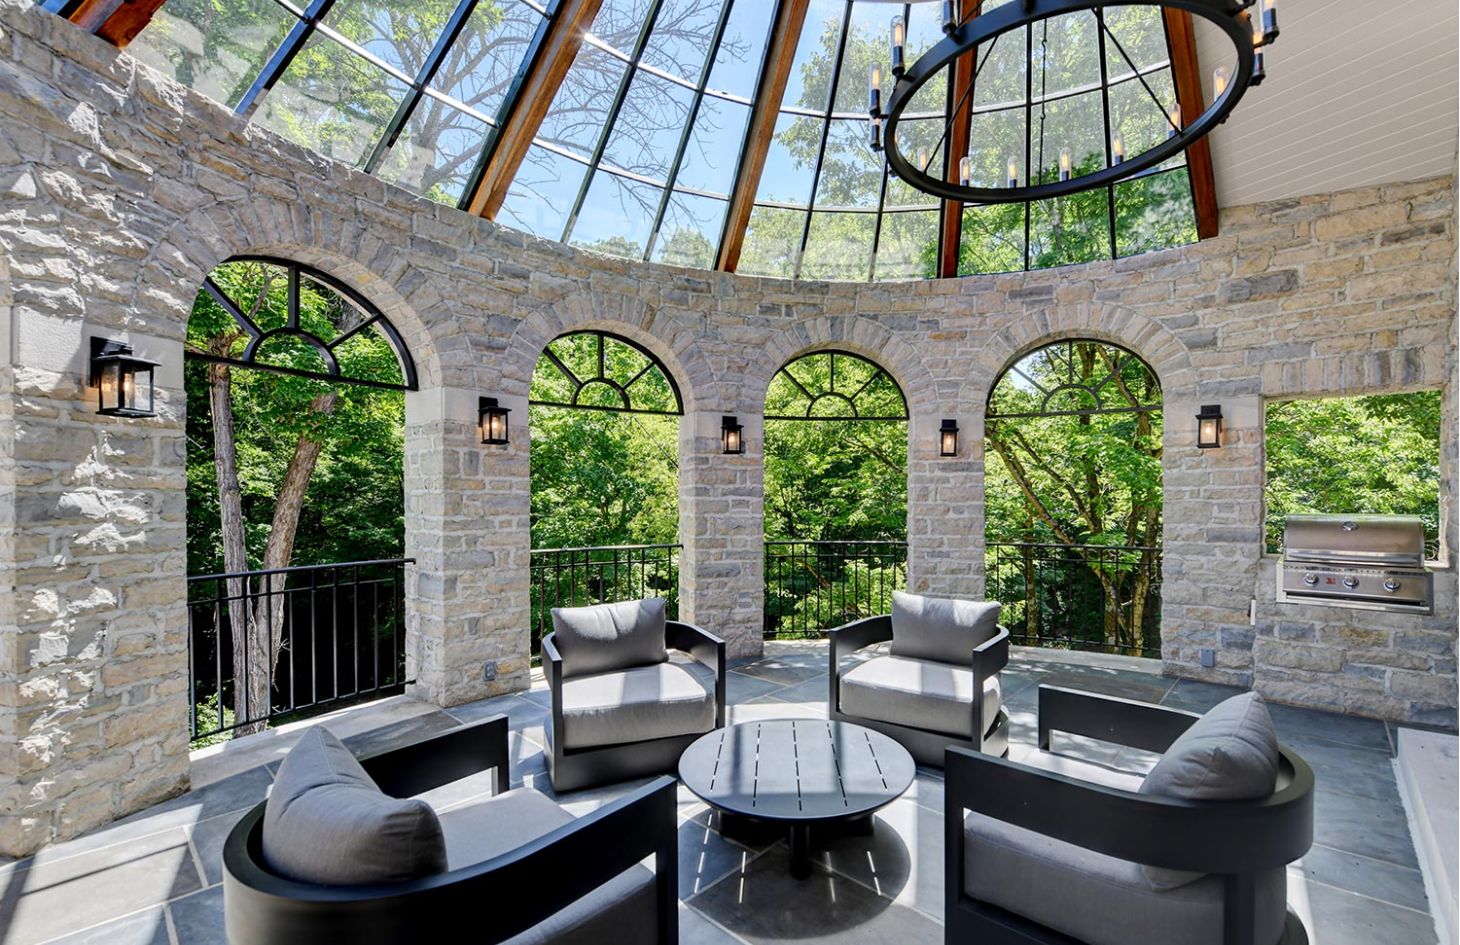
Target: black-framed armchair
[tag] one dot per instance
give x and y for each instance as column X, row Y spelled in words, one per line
column 1055, row 851
column 520, row 869
column 630, row 691
column 938, row 689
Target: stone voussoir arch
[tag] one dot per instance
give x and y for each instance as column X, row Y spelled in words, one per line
column 1148, row 340
column 199, row 242
column 673, row 344
column 860, row 336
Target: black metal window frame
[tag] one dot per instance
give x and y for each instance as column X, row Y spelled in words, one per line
column 1123, row 360
column 601, row 377
column 297, row 272
column 832, row 393
column 310, row 19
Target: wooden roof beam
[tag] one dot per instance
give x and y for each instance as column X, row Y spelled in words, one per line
column 531, row 102
column 1187, row 73
column 116, row 21
column 951, row 242
column 785, row 35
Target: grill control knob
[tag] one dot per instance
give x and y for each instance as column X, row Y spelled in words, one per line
column 1310, row 579
column 1350, row 582
column 1391, row 584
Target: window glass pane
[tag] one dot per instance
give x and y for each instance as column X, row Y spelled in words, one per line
column 682, row 34
column 994, row 138
column 867, row 42
column 400, row 33
column 772, row 239
column 851, row 172
column 1066, row 54
column 1077, row 123
column 924, row 31
column 907, row 247
column 993, row 239
column 486, row 57
column 1071, row 229
column 1154, row 212
column 580, row 109
column 436, row 151
column 810, row 81
column 1001, row 71
column 738, row 61
column 618, row 23
column 839, row 247
column 617, row 216
column 648, row 127
column 714, row 146
column 542, row 193
column 214, row 49
column 1138, row 31
column 915, row 138
column 690, row 233
column 1141, row 122
column 788, row 164
column 331, row 100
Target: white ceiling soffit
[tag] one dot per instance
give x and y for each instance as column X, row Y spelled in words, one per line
column 1357, row 93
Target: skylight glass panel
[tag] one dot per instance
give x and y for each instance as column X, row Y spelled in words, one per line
column 215, row 49
column 543, row 192
column 690, row 231
column 713, row 151
column 617, row 216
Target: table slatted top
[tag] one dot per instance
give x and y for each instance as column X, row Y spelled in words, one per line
column 796, row 769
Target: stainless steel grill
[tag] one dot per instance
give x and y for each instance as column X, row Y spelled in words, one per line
column 1374, row 562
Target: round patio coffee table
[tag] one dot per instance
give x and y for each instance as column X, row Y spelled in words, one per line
column 798, row 773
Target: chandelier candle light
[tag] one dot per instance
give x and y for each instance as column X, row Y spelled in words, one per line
column 1251, row 25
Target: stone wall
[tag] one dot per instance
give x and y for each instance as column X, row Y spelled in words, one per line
column 120, row 191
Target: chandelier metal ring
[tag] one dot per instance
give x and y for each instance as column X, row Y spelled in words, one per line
column 1229, row 15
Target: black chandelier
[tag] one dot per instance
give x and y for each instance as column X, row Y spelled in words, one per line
column 1249, row 34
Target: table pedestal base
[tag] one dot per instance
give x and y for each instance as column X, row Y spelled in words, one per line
column 755, row 832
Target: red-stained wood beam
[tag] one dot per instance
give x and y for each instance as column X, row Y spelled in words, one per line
column 963, row 69
column 1187, row 72
column 116, row 21
column 785, row 34
column 539, row 88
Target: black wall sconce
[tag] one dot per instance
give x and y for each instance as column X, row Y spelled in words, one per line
column 492, row 418
column 1209, row 427
column 124, row 383
column 948, row 438
column 732, row 442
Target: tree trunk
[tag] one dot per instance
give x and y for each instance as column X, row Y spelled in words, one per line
column 235, row 554
column 266, row 629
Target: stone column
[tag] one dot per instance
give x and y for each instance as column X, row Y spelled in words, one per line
column 93, row 617
column 945, row 511
column 721, row 571
column 468, row 528
column 1212, row 541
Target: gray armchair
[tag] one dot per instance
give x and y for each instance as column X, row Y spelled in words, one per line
column 630, row 691
column 1055, row 851
column 939, row 685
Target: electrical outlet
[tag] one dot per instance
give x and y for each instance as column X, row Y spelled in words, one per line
column 1208, row 658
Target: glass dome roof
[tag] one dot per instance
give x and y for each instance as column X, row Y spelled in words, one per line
column 643, row 146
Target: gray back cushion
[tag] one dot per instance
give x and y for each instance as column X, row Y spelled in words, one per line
column 941, row 628
column 1229, row 754
column 327, row 823
column 608, row 637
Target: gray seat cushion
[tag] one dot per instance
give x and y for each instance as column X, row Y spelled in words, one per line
column 1098, row 899
column 1229, row 754
column 621, row 910
column 933, row 696
column 635, row 705
column 941, row 628
column 607, row 637
column 327, row 823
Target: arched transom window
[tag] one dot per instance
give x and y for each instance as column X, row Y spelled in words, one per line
column 834, row 385
column 594, row 370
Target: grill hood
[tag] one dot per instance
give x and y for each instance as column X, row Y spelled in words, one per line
column 1396, row 541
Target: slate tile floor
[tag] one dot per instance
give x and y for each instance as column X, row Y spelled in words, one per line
column 153, row 878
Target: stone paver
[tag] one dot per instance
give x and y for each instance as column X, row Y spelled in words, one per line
column 130, row 885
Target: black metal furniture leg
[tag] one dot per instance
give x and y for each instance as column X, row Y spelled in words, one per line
column 800, row 850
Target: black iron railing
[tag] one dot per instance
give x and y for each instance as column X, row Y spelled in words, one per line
column 813, row 586
column 314, row 638
column 575, row 577
column 1083, row 597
